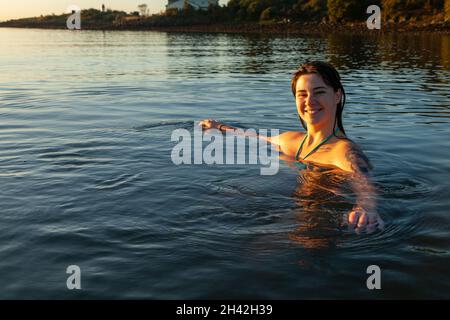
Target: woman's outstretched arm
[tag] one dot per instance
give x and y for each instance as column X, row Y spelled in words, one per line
column 284, row 142
column 213, row 124
column 364, row 215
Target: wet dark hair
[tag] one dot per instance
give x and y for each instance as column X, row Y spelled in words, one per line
column 331, row 77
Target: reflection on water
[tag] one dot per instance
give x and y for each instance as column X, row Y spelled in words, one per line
column 87, row 179
column 323, row 196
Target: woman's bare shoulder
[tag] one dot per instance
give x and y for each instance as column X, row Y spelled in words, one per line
column 287, row 137
column 291, row 135
column 350, row 157
column 289, row 142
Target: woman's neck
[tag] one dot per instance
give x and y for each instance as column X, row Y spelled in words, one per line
column 317, row 135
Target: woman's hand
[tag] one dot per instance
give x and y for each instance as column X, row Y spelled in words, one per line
column 209, row 124
column 361, row 220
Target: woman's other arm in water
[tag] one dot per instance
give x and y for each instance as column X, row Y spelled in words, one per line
column 213, row 124
column 364, row 215
column 283, row 142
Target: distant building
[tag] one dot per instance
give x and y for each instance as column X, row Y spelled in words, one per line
column 196, row 4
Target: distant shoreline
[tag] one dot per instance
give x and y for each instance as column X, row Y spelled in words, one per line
column 255, row 28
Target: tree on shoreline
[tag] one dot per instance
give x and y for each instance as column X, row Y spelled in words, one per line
column 447, row 10
column 143, row 9
column 344, row 10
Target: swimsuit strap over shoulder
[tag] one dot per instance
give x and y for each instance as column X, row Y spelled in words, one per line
column 316, row 147
column 301, row 146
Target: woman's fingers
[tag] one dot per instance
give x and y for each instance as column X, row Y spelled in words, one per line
column 353, row 219
column 380, row 223
column 361, row 221
column 372, row 223
column 372, row 219
column 371, row 228
column 205, row 123
column 208, row 123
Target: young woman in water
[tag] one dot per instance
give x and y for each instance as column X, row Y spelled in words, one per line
column 320, row 99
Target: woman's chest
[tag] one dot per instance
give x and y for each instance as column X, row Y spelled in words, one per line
column 324, row 155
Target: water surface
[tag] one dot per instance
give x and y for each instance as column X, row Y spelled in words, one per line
column 87, row 179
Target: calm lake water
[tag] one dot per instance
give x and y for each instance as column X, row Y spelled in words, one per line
column 87, row 179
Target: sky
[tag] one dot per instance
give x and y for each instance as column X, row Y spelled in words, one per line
column 14, row 9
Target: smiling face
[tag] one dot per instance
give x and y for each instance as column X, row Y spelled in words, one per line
column 316, row 101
